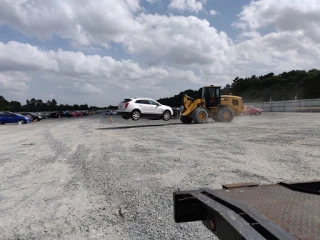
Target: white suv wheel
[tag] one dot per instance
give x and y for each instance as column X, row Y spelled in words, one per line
column 135, row 115
column 166, row 115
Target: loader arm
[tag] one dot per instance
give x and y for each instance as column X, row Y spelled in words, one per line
column 190, row 104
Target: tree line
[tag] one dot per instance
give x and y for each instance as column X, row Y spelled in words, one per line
column 37, row 105
column 285, row 86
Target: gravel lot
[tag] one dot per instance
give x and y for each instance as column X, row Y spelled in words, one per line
column 81, row 179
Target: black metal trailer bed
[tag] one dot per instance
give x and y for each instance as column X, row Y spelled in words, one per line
column 249, row 211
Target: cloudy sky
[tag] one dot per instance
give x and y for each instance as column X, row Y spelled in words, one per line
column 101, row 51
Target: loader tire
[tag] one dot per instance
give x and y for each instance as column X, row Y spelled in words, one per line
column 200, row 115
column 224, row 115
column 185, row 119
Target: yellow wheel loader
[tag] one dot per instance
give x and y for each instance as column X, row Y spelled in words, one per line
column 221, row 108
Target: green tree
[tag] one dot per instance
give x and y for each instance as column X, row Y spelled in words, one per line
column 15, row 106
column 3, row 104
column 84, row 107
column 76, row 107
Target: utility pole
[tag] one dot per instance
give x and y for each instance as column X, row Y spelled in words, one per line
column 270, row 105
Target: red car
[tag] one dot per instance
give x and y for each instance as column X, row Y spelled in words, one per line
column 249, row 110
column 76, row 114
column 73, row 114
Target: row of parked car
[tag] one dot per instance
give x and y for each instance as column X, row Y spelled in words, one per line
column 61, row 114
column 26, row 117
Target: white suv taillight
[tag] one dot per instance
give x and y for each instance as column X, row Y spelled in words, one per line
column 127, row 104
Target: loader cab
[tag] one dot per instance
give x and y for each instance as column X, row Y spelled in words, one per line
column 211, row 95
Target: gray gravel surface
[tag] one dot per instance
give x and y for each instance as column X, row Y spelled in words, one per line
column 87, row 178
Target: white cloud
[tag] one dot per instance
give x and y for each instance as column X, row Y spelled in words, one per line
column 87, row 89
column 12, row 57
column 49, row 96
column 179, row 40
column 279, row 52
column 72, row 64
column 14, row 82
column 185, row 75
column 153, row 1
column 83, row 22
column 213, row 12
column 282, row 16
column 74, row 71
column 187, row 5
column 134, row 5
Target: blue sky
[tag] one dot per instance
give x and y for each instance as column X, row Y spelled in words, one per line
column 102, row 51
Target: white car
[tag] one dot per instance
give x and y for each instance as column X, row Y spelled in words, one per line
column 136, row 108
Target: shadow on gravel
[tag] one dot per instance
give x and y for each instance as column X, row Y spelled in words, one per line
column 138, row 126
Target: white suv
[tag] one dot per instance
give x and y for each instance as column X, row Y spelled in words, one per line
column 144, row 107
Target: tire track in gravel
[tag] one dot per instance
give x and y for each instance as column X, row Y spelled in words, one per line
column 42, row 197
column 145, row 205
column 89, row 222
column 57, row 202
column 213, row 160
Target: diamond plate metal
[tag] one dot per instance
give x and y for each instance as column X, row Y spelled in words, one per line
column 296, row 212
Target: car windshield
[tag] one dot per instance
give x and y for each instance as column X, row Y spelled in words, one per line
column 126, row 100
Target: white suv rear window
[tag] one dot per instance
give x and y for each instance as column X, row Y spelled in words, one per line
column 126, row 100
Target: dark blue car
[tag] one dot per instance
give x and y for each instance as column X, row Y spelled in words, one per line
column 9, row 117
